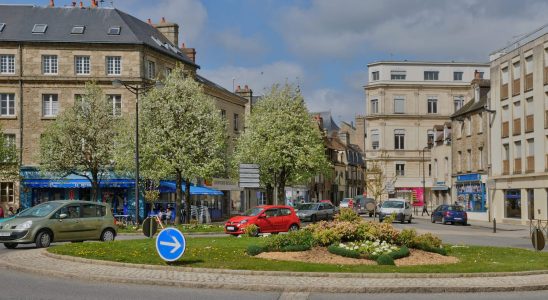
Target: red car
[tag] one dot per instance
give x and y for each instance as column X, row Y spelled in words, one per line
column 269, row 219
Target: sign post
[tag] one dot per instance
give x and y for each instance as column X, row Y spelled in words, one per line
column 249, row 178
column 170, row 244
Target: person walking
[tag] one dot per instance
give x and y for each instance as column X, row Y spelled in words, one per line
column 424, row 210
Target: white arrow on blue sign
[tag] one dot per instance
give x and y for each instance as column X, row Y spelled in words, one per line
column 170, row 244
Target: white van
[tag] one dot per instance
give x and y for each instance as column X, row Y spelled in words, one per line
column 400, row 207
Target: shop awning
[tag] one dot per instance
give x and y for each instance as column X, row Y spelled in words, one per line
column 440, row 188
column 170, row 187
column 77, row 183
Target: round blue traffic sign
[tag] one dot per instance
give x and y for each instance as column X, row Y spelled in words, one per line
column 170, row 244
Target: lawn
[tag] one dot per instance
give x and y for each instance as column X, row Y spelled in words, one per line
column 229, row 253
column 187, row 228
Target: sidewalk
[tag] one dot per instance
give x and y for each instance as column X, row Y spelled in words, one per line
column 39, row 261
column 485, row 224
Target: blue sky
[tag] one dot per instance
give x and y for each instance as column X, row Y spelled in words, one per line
column 324, row 46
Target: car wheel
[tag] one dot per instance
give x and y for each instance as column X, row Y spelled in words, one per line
column 107, row 235
column 410, row 218
column 313, row 219
column 293, row 227
column 10, row 245
column 402, row 219
column 465, row 223
column 443, row 221
column 43, row 239
column 432, row 219
column 380, row 220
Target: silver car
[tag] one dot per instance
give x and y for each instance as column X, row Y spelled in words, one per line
column 315, row 211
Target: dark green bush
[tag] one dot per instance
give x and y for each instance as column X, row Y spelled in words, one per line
column 401, row 253
column 300, row 239
column 335, row 249
column 295, row 248
column 385, row 260
column 253, row 250
column 438, row 250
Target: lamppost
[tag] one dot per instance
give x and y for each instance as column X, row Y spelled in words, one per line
column 136, row 89
column 423, row 178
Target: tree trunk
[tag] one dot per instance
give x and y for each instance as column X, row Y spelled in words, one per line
column 94, row 186
column 269, row 194
column 187, row 201
column 281, row 187
column 178, row 197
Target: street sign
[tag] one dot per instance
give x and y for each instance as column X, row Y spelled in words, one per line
column 170, row 244
column 149, row 227
column 537, row 237
column 249, row 176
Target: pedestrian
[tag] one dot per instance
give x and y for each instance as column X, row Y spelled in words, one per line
column 424, row 210
column 168, row 215
column 11, row 212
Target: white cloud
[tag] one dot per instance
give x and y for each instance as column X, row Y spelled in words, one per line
column 232, row 40
column 343, row 106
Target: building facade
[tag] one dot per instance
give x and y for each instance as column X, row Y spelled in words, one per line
column 440, row 160
column 404, row 100
column 45, row 61
column 519, row 131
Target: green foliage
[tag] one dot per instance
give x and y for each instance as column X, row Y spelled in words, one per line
column 427, row 240
column 386, row 260
column 389, row 219
column 251, row 230
column 327, row 233
column 253, row 250
column 347, row 214
column 335, row 249
column 9, row 159
column 283, row 139
column 407, row 237
column 300, row 239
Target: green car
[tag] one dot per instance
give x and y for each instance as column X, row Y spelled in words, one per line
column 59, row 221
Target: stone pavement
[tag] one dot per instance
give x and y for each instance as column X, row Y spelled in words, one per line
column 39, row 261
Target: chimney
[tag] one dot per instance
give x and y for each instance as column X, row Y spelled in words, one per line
column 149, row 21
column 169, row 30
column 81, row 4
column 247, row 94
column 51, row 3
column 190, row 52
column 93, row 4
column 477, row 74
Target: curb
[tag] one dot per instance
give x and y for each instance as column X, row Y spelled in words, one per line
column 188, row 233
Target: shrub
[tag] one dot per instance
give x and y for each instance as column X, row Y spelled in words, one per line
column 389, row 219
column 295, row 248
column 385, row 260
column 427, row 240
column 299, row 239
column 335, row 249
column 401, row 253
column 253, row 250
column 407, row 237
column 348, row 214
column 251, row 230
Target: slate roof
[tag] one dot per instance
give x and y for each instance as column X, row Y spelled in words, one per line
column 328, row 122
column 471, row 106
column 20, row 20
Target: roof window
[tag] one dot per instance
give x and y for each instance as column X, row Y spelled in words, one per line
column 78, row 29
column 2, row 25
column 114, row 30
column 39, row 28
column 157, row 41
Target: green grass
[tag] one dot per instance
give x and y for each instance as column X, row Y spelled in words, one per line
column 230, row 253
column 214, row 228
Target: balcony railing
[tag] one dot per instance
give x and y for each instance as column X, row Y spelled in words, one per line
column 517, row 166
column 516, row 128
column 528, row 82
column 530, row 164
column 504, row 91
column 515, row 87
column 529, row 123
column 505, row 167
column 545, row 75
column 505, row 129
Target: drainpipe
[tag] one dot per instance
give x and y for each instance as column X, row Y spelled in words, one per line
column 20, row 50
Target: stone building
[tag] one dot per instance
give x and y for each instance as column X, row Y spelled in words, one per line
column 469, row 150
column 519, row 132
column 440, row 160
column 46, row 58
column 404, row 100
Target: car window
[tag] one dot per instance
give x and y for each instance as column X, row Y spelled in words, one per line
column 285, row 211
column 406, row 205
column 40, row 210
column 271, row 212
column 101, row 210
column 455, row 208
column 89, row 211
column 72, row 211
column 392, row 204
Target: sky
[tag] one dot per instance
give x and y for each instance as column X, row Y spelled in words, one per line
column 324, row 46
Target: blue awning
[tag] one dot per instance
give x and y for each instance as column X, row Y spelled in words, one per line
column 77, row 183
column 170, row 187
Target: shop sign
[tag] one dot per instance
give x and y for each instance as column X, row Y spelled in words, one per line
column 225, row 184
column 469, row 177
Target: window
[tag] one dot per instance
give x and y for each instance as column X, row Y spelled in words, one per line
column 90, row 211
column 375, row 106
column 432, row 105
column 236, row 122
column 459, row 161
column 114, row 30
column 49, row 64
column 505, row 113
column 81, row 64
column 517, row 110
column 429, row 169
column 78, row 29
column 446, row 166
column 116, row 103
column 506, row 153
column 400, row 169
column 9, row 139
column 399, row 139
column 504, row 75
column 114, row 65
column 399, row 105
column 6, row 192
column 529, row 64
column 39, row 28
column 468, row 126
column 517, row 70
column 457, row 76
column 480, row 123
column 431, row 75
column 517, row 149
column 375, row 139
column 458, row 102
column 435, row 168
column 375, row 75
column 481, row 74
column 512, row 204
column 7, row 64
column 168, row 71
column 397, row 75
column 50, row 105
column 530, row 147
column 151, row 69
column 480, row 158
column 223, row 114
column 7, row 105
column 468, row 160
column 430, row 137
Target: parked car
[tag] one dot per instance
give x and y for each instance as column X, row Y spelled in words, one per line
column 268, row 218
column 59, row 221
column 364, row 205
column 400, row 207
column 326, row 201
column 316, row 211
column 347, row 203
column 449, row 214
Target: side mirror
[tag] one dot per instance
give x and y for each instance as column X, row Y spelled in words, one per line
column 62, row 216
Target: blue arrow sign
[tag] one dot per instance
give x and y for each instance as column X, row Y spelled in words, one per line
column 170, row 244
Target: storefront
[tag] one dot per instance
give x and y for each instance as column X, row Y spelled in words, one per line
column 512, row 204
column 471, row 193
column 441, row 194
column 415, row 195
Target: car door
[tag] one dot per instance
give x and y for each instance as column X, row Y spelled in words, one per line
column 407, row 211
column 267, row 224
column 329, row 211
column 67, row 228
column 90, row 223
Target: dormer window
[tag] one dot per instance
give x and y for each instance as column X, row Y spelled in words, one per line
column 39, row 28
column 78, row 29
column 114, row 30
column 2, row 26
column 158, row 42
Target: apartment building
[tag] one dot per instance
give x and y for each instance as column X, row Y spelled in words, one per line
column 404, row 100
column 440, row 160
column 46, row 58
column 470, row 150
column 519, row 132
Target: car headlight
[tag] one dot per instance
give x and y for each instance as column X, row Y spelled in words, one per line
column 243, row 221
column 24, row 225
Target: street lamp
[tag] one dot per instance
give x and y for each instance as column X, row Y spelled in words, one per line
column 136, row 89
column 424, row 179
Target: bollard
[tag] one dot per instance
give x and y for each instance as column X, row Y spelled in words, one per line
column 494, row 225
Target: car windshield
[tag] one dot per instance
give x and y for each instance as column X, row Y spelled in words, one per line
column 392, row 204
column 253, row 212
column 40, row 210
column 345, row 201
column 309, row 206
column 455, row 208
